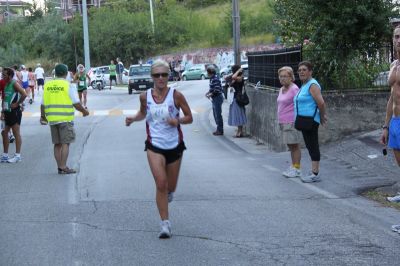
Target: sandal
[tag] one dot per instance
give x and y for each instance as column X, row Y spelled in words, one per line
column 66, row 171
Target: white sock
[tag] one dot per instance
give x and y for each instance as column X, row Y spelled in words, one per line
column 17, row 154
column 5, row 154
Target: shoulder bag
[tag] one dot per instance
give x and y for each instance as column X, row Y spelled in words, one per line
column 242, row 99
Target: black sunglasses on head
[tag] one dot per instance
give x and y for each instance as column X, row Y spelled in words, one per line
column 158, row 75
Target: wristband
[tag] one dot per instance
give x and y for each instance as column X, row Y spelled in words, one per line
column 385, row 127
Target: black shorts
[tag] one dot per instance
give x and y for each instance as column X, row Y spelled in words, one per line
column 169, row 155
column 40, row 82
column 113, row 78
column 13, row 117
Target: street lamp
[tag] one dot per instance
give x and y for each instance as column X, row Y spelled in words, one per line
column 151, row 14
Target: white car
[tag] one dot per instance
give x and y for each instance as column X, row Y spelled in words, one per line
column 106, row 71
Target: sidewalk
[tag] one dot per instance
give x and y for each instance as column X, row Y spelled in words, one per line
column 355, row 164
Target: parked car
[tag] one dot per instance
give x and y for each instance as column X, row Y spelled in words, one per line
column 140, row 78
column 198, row 71
column 381, row 79
column 106, row 71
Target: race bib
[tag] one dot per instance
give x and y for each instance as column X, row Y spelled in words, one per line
column 81, row 83
column 159, row 113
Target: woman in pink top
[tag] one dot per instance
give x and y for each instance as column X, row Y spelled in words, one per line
column 291, row 136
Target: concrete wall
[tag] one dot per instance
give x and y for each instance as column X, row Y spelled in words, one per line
column 348, row 113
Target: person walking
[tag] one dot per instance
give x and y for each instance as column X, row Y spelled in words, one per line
column 113, row 73
column 291, row 137
column 215, row 93
column 309, row 102
column 161, row 106
column 237, row 114
column 57, row 109
column 120, row 70
column 25, row 81
column 391, row 128
column 14, row 96
column 80, row 78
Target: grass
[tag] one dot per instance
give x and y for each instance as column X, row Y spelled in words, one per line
column 381, row 198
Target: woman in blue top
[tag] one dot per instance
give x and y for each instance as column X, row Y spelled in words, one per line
column 309, row 102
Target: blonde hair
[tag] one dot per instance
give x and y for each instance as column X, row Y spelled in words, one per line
column 160, row 63
column 289, row 70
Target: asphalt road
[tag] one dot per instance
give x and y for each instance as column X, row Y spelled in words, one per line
column 232, row 205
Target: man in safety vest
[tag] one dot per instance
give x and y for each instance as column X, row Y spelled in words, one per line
column 58, row 103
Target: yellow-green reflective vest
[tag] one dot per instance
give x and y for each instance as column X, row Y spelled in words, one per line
column 57, row 103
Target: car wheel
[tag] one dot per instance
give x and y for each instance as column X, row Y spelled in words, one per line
column 98, row 86
column 203, row 77
column 184, row 78
column 130, row 91
column 93, row 83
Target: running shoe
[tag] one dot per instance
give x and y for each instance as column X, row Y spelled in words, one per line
column 165, row 229
column 11, row 138
column 310, row 178
column 396, row 228
column 14, row 159
column 292, row 172
column 170, row 196
column 4, row 158
column 394, row 199
column 30, row 101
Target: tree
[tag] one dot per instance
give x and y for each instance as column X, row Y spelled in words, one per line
column 342, row 35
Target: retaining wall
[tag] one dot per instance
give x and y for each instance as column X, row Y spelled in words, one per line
column 348, row 113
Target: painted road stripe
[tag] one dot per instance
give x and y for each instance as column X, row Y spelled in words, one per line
column 112, row 112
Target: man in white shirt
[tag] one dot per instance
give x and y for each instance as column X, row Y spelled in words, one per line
column 39, row 74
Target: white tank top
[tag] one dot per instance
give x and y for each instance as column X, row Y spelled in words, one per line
column 159, row 133
column 24, row 75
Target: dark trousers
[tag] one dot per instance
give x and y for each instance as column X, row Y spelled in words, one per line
column 217, row 112
column 311, row 140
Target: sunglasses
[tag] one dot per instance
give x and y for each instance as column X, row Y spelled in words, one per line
column 159, row 75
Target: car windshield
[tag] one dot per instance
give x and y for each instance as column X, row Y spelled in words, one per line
column 139, row 70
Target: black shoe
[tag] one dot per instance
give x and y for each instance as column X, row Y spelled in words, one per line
column 30, row 101
column 217, row 133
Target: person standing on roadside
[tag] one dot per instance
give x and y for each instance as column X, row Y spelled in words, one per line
column 215, row 93
column 57, row 109
column 237, row 114
column 113, row 73
column 80, row 78
column 291, row 136
column 120, row 70
column 14, row 96
column 39, row 75
column 309, row 102
column 25, row 80
column 161, row 107
column 391, row 128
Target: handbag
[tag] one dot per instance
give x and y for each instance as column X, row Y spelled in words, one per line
column 242, row 99
column 303, row 122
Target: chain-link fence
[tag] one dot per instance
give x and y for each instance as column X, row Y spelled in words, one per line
column 339, row 69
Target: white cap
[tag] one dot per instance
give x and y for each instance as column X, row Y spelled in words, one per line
column 38, row 65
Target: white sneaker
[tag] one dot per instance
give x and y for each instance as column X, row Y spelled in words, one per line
column 170, row 196
column 310, row 178
column 165, row 229
column 292, row 172
column 14, row 159
column 394, row 199
column 4, row 158
column 396, row 228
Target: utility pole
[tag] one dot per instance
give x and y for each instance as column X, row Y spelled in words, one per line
column 236, row 31
column 151, row 14
column 8, row 12
column 85, row 35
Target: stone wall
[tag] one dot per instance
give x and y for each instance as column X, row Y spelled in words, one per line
column 348, row 113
